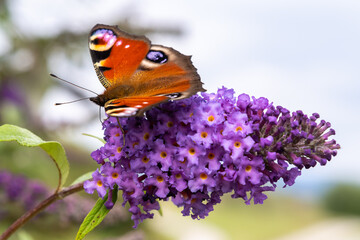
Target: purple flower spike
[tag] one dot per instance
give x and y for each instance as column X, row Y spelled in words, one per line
column 195, row 150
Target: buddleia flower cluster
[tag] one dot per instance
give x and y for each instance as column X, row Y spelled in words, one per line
column 195, row 150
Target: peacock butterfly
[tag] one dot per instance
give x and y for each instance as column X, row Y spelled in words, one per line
column 136, row 74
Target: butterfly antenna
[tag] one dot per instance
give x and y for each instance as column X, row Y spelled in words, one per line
column 122, row 130
column 53, row 75
column 77, row 100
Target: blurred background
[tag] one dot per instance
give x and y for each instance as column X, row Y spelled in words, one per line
column 303, row 55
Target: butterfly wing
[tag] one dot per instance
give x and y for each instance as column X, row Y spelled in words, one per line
column 132, row 106
column 136, row 74
column 116, row 54
column 167, row 73
column 162, row 75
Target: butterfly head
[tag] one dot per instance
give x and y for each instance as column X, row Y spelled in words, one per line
column 99, row 100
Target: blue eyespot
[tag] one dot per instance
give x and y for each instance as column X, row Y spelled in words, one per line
column 156, row 56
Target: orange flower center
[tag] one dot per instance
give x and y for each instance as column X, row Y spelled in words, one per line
column 237, row 144
column 146, row 136
column 204, row 134
column 163, row 154
column 248, row 168
column 115, row 175
column 159, row 179
column 211, row 156
column 99, row 183
column 145, row 159
column 203, row 176
column 211, row 118
column 191, row 151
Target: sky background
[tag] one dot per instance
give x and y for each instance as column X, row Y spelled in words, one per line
column 302, row 55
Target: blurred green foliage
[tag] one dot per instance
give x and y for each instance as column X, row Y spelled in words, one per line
column 343, row 199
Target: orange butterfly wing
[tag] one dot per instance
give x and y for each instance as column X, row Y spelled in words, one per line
column 136, row 74
column 175, row 76
column 131, row 106
column 116, row 54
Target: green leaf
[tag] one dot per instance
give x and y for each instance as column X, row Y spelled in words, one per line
column 53, row 149
column 160, row 211
column 82, row 178
column 95, row 216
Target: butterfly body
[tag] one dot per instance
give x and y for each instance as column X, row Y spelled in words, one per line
column 137, row 75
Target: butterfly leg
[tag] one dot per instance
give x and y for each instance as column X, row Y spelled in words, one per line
column 100, row 115
column 122, row 130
